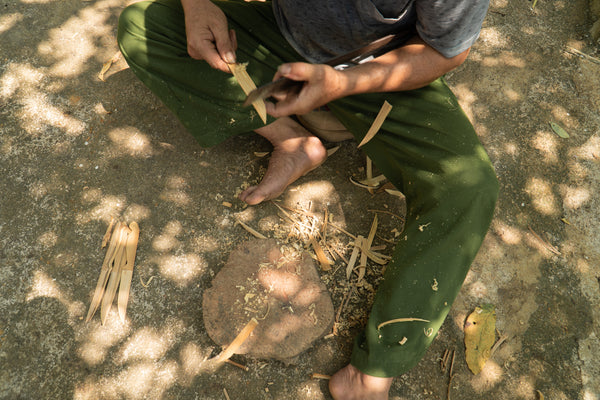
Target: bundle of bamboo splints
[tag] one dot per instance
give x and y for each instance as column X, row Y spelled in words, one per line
column 117, row 270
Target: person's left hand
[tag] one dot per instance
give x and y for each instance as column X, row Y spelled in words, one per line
column 322, row 84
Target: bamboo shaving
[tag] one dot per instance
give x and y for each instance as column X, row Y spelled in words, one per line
column 393, row 321
column 247, row 85
column 225, row 393
column 394, row 192
column 237, row 342
column 106, row 66
column 331, row 151
column 261, row 154
column 323, row 260
column 106, row 236
column 374, row 180
column 362, row 184
column 353, row 256
column 381, row 116
column 147, row 284
column 250, row 230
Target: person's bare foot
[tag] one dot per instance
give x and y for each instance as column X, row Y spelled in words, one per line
column 295, row 152
column 351, row 384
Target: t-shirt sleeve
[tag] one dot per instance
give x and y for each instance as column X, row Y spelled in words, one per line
column 450, row 27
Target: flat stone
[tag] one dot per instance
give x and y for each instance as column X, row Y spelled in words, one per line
column 277, row 285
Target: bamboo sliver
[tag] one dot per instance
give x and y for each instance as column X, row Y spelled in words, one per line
column 237, row 342
column 381, row 116
column 247, row 84
column 127, row 270
column 115, row 273
column 104, row 274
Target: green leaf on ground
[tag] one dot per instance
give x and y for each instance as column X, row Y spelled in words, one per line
column 480, row 334
column 559, row 130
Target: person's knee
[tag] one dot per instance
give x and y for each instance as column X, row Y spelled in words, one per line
column 129, row 29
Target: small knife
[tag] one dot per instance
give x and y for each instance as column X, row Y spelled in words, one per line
column 353, row 57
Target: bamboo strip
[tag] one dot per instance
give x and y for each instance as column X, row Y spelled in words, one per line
column 247, row 85
column 383, row 113
column 237, row 342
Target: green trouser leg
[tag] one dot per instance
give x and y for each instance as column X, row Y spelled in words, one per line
column 427, row 148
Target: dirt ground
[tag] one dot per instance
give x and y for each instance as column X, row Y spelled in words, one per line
column 75, row 150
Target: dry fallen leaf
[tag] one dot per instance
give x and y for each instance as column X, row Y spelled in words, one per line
column 480, row 335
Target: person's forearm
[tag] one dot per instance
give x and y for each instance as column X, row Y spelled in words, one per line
column 409, row 67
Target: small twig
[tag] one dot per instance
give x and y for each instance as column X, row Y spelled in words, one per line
column 501, row 340
column 546, row 244
column 250, row 230
column 450, row 375
column 225, row 393
column 583, row 55
column 342, row 230
column 240, row 366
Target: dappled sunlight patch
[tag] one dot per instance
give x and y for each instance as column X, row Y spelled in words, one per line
column 590, row 150
column 542, row 197
column 467, row 99
column 48, row 239
column 131, row 141
column 175, row 191
column 37, row 112
column 108, row 207
column 478, row 290
column 144, row 380
column 564, row 117
column 317, row 191
column 547, row 144
column 493, row 37
column 310, row 390
column 575, row 197
column 149, row 343
column 506, row 59
column 19, row 76
column 204, row 243
column 44, row 286
column 82, row 32
column 491, row 375
column 508, row 234
column 192, row 359
column 7, row 21
column 136, row 212
column 511, row 149
column 101, row 338
column 525, row 388
column 181, row 269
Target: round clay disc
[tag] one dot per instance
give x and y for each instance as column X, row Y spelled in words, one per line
column 277, row 285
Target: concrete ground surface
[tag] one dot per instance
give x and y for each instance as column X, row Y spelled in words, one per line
column 76, row 151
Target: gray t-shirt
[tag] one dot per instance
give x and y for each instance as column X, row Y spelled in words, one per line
column 322, row 29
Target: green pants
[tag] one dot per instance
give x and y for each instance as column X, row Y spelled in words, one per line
column 427, row 148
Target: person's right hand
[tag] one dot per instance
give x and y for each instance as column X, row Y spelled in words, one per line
column 208, row 36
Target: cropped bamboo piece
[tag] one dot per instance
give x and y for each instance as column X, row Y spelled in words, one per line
column 104, row 274
column 247, row 85
column 115, row 273
column 127, row 269
column 381, row 116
